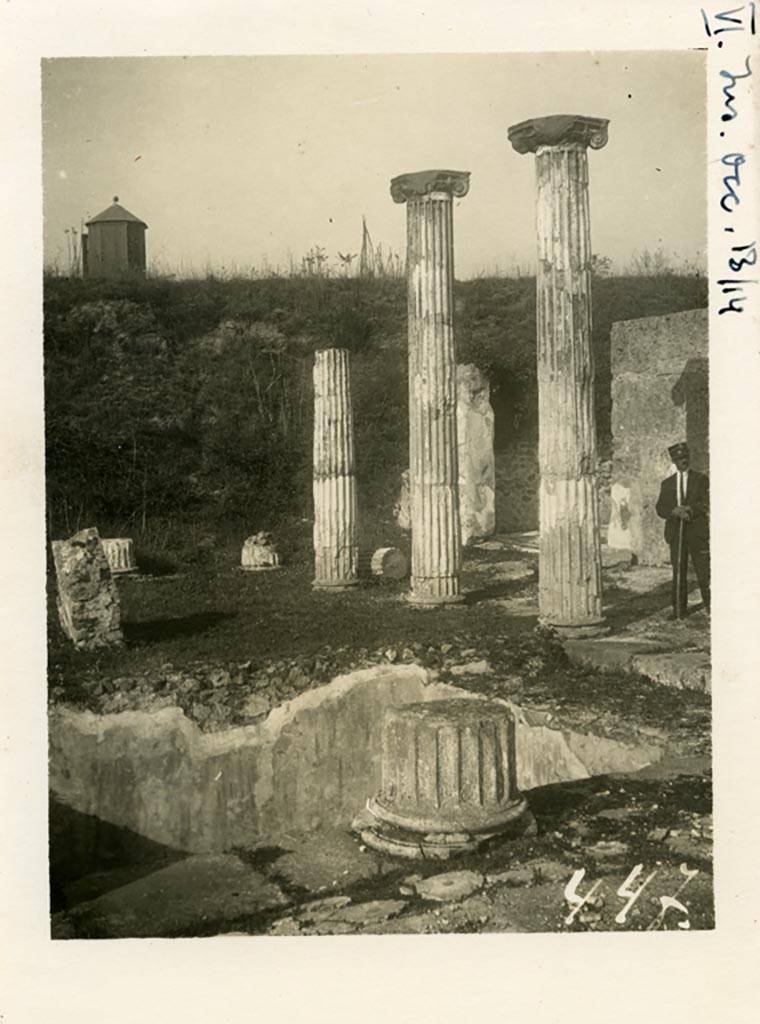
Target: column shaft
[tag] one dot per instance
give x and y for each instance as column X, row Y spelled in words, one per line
column 570, row 584
column 433, row 462
column 335, row 511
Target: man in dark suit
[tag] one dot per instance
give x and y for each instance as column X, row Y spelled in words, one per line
column 684, row 504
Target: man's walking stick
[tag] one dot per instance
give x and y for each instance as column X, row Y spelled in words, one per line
column 679, row 574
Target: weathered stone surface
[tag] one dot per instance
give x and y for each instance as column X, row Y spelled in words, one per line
column 88, row 601
column 477, row 472
column 683, row 670
column 336, row 550
column 259, row 552
column 659, row 395
column 570, row 564
column 390, row 563
column 188, row 896
column 450, row 886
column 433, row 468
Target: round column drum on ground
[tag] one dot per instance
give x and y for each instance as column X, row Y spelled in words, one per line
column 449, row 779
column 119, row 553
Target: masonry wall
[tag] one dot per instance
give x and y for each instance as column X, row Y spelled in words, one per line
column 659, row 396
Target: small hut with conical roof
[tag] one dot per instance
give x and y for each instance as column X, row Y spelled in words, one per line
column 115, row 244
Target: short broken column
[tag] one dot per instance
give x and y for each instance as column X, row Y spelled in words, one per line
column 389, row 563
column 119, row 552
column 336, row 552
column 448, row 779
column 570, row 562
column 88, row 601
column 259, row 553
column 433, row 460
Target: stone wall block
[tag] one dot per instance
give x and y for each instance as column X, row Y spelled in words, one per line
column 88, row 601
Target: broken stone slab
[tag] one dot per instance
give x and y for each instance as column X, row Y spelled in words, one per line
column 683, row 670
column 526, row 541
column 607, row 849
column 489, row 545
column 355, row 913
column 610, row 653
column 188, row 897
column 450, row 886
column 513, row 571
column 322, row 859
column 259, row 553
column 514, row 877
column 327, row 905
column 89, row 609
column 551, row 870
column 471, row 668
column 615, row 556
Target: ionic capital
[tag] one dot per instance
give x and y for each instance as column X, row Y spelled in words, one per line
column 558, row 130
column 423, row 183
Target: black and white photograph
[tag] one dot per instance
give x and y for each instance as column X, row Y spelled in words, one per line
column 379, row 393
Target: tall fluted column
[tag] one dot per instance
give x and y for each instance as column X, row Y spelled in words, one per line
column 570, row 561
column 433, row 461
column 335, row 519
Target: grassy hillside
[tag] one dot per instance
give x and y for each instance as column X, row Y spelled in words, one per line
column 179, row 412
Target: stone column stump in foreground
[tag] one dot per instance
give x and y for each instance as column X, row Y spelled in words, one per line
column 570, row 561
column 120, row 554
column 448, row 779
column 433, row 462
column 88, row 601
column 336, row 552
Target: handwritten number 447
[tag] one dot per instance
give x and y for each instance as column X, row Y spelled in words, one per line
column 630, row 894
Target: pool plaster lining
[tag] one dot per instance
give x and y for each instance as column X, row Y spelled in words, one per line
column 311, row 763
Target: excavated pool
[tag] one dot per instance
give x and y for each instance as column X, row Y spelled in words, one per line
column 310, row 764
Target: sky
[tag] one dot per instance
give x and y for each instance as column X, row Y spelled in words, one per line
column 238, row 162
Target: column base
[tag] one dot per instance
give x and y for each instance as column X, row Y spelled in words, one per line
column 577, row 630
column 412, row 845
column 337, row 586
